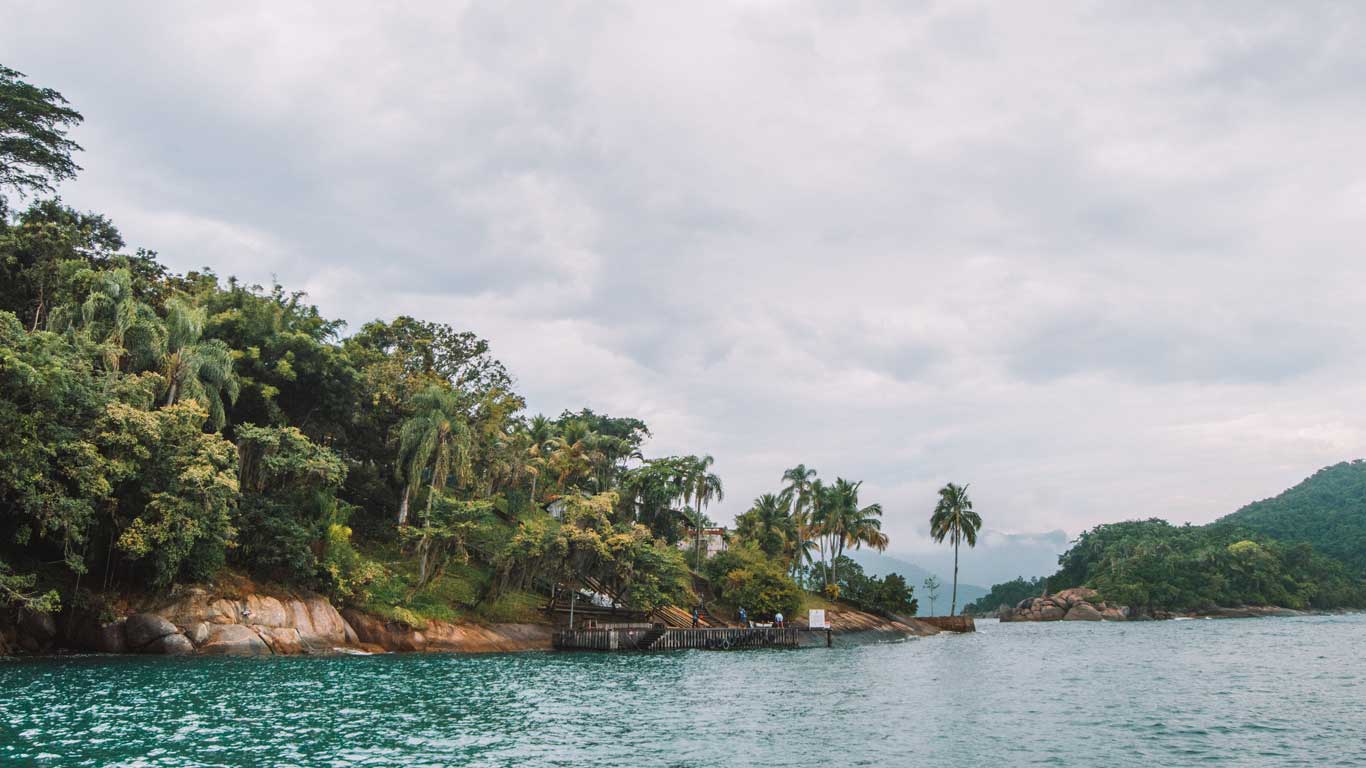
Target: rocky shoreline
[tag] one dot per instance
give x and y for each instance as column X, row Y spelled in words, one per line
column 1083, row 604
column 197, row 622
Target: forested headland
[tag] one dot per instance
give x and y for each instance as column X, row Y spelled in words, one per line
column 1303, row 549
column 161, row 429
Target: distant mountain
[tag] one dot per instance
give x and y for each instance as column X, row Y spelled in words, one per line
column 1328, row 510
column 878, row 564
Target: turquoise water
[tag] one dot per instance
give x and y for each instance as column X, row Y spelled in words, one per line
column 1273, row 692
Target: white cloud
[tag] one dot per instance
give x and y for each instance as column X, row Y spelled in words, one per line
column 1099, row 261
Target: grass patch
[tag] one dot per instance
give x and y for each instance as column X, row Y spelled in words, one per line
column 514, row 608
column 452, row 597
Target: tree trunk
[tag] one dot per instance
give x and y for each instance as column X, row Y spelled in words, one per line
column 698, row 523
column 170, row 393
column 403, row 507
column 953, row 604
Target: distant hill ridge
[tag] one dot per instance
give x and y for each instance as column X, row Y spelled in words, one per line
column 1326, row 510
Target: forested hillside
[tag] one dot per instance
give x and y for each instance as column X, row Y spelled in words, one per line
column 1327, row 510
column 158, row 429
column 1305, row 548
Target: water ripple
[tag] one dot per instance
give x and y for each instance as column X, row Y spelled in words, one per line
column 1271, row 692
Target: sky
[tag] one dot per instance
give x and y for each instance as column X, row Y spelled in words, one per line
column 1100, row 261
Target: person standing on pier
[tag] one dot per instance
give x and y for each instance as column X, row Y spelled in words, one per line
column 694, row 618
column 744, row 618
column 778, row 619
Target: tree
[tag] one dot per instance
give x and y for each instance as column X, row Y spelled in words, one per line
column 801, row 489
column 201, row 370
column 932, row 590
column 702, row 487
column 112, row 315
column 955, row 520
column 435, row 437
column 850, row 525
column 35, row 152
column 768, row 524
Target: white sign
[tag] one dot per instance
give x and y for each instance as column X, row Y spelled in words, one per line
column 817, row 618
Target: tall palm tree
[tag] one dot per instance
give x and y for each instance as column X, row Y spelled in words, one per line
column 954, row 519
column 768, row 523
column 201, row 370
column 112, row 314
column 799, row 481
column 572, row 455
column 436, row 437
column 850, row 525
column 818, row 505
column 702, row 487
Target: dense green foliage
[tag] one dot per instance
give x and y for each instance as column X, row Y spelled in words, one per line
column 1152, row 564
column 1327, row 510
column 1008, row 593
column 745, row 577
column 156, row 428
column 889, row 595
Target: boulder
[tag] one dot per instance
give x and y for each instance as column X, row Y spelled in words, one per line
column 1070, row 597
column 264, row 610
column 92, row 635
column 198, row 632
column 283, row 640
column 142, row 629
column 391, row 635
column 234, row 640
column 1113, row 614
column 1050, row 612
column 1082, row 612
column 170, row 645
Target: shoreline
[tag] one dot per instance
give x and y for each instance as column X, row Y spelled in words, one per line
column 200, row 623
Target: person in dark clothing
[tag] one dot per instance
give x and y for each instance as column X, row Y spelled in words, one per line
column 695, row 617
column 744, row 618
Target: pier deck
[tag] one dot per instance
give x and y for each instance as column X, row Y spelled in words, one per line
column 658, row 637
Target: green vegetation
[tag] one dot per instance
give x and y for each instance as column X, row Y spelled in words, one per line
column 888, row 596
column 954, row 519
column 159, row 429
column 1327, row 510
column 1008, row 593
column 1154, row 565
column 1305, row 548
column 776, row 538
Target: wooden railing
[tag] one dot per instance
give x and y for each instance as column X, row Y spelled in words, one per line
column 660, row 638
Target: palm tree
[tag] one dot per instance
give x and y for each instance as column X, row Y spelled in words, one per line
column 954, row 519
column 199, row 369
column 436, row 436
column 701, row 487
column 112, row 314
column 768, row 523
column 850, row 525
column 799, row 489
column 573, row 455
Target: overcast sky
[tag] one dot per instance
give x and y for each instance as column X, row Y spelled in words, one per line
column 1099, row 260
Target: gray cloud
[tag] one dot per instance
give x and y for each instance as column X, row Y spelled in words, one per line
column 1101, row 262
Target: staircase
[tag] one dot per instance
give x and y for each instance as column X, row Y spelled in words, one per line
column 647, row 640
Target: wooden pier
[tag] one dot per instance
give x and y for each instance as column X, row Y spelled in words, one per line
column 658, row 637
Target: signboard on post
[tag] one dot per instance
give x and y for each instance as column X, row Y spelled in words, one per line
column 816, row 618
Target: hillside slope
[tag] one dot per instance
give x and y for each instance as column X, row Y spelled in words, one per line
column 1327, row 510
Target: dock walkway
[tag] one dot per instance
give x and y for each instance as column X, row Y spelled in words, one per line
column 658, row 637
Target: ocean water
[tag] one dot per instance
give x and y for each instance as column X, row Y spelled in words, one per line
column 1253, row 692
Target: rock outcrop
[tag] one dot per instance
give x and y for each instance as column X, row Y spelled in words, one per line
column 443, row 636
column 1077, row 604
